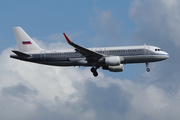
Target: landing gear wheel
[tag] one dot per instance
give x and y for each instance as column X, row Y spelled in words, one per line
column 148, row 69
column 95, row 74
column 93, row 70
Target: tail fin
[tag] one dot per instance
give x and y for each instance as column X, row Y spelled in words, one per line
column 24, row 42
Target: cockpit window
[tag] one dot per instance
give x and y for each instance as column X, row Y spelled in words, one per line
column 157, row 49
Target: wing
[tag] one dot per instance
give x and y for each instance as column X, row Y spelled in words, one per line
column 84, row 51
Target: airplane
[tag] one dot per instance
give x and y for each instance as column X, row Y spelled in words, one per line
column 108, row 58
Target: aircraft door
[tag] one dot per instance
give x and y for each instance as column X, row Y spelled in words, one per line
column 105, row 52
column 146, row 50
column 43, row 55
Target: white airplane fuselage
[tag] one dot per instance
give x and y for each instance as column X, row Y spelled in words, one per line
column 109, row 58
column 128, row 54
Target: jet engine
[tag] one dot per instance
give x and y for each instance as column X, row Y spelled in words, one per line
column 118, row 68
column 112, row 60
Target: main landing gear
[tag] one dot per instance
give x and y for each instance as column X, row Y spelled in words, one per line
column 147, row 67
column 94, row 71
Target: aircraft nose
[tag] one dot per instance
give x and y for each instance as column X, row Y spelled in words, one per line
column 166, row 55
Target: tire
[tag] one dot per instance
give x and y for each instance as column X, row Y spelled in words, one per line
column 92, row 69
column 95, row 74
column 148, row 69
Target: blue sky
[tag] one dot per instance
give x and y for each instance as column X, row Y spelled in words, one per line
column 44, row 92
column 61, row 16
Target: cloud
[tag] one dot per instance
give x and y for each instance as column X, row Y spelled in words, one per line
column 19, row 90
column 52, row 45
column 157, row 23
column 45, row 92
column 157, row 18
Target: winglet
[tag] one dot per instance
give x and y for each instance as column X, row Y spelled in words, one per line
column 67, row 39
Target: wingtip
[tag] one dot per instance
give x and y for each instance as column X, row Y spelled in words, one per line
column 67, row 39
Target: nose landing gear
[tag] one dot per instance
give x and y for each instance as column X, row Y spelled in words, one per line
column 94, row 71
column 147, row 67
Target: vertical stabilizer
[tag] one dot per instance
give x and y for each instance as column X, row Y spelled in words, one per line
column 24, row 42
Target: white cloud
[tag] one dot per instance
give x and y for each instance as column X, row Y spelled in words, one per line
column 157, row 23
column 30, row 86
column 53, row 45
column 41, row 92
column 159, row 18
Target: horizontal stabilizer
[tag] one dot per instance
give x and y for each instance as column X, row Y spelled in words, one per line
column 21, row 54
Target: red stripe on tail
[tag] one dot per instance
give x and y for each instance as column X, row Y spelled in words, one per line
column 26, row 42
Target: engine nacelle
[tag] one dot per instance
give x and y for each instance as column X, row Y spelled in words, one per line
column 118, row 68
column 112, row 60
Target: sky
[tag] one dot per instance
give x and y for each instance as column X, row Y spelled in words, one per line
column 32, row 91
